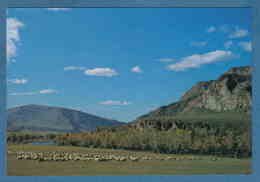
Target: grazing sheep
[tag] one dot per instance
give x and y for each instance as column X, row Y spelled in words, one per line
column 97, row 159
column 40, row 159
column 19, row 157
column 27, row 157
column 133, row 158
column 97, row 156
column 117, row 158
column 122, row 159
column 76, row 158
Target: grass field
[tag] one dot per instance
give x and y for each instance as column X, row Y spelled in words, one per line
column 91, row 168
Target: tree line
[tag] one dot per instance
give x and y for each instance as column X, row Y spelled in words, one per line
column 22, row 138
column 222, row 140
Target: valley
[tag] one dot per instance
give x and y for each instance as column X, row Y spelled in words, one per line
column 208, row 131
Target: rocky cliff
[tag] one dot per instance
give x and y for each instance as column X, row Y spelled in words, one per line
column 229, row 96
column 230, row 92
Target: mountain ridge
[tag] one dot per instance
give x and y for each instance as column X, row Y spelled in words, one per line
column 230, row 94
column 44, row 118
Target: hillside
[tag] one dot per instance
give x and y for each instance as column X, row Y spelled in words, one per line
column 227, row 98
column 40, row 118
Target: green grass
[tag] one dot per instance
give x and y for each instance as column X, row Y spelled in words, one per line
column 86, row 168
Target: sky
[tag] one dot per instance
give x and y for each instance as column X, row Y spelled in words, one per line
column 120, row 63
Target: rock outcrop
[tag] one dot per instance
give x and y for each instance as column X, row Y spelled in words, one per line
column 230, row 93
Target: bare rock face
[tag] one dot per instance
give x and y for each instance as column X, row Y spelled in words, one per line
column 231, row 92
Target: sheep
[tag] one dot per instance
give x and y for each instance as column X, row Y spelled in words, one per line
column 97, row 156
column 40, row 159
column 117, row 158
column 19, row 157
column 133, row 158
column 97, row 159
column 122, row 159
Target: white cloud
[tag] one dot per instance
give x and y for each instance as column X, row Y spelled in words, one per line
column 18, row 81
column 48, row 91
column 167, row 60
column 238, row 33
column 58, row 9
column 199, row 44
column 136, row 69
column 233, row 31
column 107, row 72
column 228, row 44
column 114, row 102
column 68, row 68
column 23, row 93
column 13, row 37
column 196, row 60
column 45, row 91
column 211, row 29
column 247, row 46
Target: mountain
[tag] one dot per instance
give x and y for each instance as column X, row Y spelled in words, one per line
column 226, row 98
column 41, row 118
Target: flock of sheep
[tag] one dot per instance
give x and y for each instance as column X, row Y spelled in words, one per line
column 75, row 156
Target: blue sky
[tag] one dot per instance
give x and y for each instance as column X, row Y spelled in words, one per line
column 120, row 63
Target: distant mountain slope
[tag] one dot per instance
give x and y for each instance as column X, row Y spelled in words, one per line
column 228, row 96
column 40, row 118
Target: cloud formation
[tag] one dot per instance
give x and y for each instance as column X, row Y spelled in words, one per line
column 48, row 91
column 43, row 92
column 105, row 72
column 238, row 33
column 58, row 9
column 167, row 60
column 23, row 93
column 70, row 68
column 114, row 102
column 196, row 60
column 233, row 31
column 13, row 38
column 247, row 46
column 18, row 81
column 136, row 69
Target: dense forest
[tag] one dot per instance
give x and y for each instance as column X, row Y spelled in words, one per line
column 194, row 138
column 210, row 138
column 23, row 138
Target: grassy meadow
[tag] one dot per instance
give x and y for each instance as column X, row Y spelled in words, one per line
column 205, row 165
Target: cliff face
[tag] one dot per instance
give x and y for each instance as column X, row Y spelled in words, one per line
column 230, row 93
